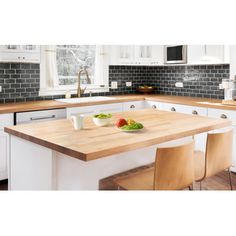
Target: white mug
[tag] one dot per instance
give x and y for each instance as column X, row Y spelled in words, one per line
column 78, row 121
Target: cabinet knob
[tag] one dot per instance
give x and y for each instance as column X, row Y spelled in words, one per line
column 154, row 107
column 223, row 116
column 195, row 112
column 173, row 109
column 132, row 106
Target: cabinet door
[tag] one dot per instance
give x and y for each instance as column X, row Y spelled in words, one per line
column 86, row 111
column 232, row 59
column 91, row 110
column 131, row 106
column 126, row 54
column 154, row 105
column 149, row 55
column 200, row 139
column 3, row 155
column 206, row 54
column 231, row 115
column 110, row 108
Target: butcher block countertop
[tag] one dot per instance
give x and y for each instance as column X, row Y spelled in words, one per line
column 52, row 104
column 96, row 142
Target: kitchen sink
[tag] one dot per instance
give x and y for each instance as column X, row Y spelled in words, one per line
column 85, row 99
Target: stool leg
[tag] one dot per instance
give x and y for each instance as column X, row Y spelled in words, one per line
column 190, row 187
column 200, row 185
column 230, row 179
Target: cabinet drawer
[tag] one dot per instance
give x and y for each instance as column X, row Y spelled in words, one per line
column 154, row 105
column 91, row 110
column 39, row 116
column 128, row 106
column 224, row 114
column 6, row 120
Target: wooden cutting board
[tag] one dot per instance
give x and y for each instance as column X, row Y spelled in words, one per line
column 229, row 102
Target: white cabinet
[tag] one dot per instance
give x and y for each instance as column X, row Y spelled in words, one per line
column 231, row 115
column 136, row 55
column 207, row 54
column 232, row 60
column 200, row 139
column 40, row 116
column 91, row 110
column 5, row 120
column 131, row 106
column 149, row 55
column 154, row 105
column 20, row 53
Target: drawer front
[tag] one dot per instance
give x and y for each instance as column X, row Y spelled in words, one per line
column 91, row 110
column 86, row 111
column 39, row 116
column 110, row 108
column 129, row 106
column 224, row 114
column 6, row 120
column 154, row 105
column 176, row 108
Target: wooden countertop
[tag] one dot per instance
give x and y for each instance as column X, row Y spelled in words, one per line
column 52, row 104
column 95, row 142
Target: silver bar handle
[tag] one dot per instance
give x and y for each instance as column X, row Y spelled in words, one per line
column 42, row 117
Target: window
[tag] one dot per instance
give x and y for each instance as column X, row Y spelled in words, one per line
column 60, row 65
column 71, row 59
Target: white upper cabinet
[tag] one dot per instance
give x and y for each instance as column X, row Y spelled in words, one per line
column 136, row 55
column 20, row 53
column 207, row 54
column 232, row 61
column 149, row 54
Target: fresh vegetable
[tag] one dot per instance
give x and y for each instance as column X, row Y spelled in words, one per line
column 121, row 122
column 132, row 126
column 102, row 116
column 130, row 122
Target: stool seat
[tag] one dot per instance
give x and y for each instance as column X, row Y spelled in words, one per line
column 143, row 180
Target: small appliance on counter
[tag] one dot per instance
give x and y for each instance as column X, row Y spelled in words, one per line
column 229, row 86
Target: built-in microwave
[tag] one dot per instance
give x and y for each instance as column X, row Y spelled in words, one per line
column 175, row 54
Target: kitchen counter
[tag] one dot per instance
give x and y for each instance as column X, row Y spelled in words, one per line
column 95, row 142
column 52, row 104
column 53, row 156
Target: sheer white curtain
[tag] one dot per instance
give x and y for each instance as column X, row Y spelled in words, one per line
column 49, row 77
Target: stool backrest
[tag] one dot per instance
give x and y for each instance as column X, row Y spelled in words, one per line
column 218, row 152
column 174, row 167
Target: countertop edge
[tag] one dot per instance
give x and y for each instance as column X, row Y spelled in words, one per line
column 51, row 104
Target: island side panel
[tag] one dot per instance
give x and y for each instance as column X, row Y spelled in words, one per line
column 74, row 174
column 30, row 166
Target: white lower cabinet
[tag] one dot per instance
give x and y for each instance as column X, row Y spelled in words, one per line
column 4, row 143
column 231, row 115
column 154, row 105
column 91, row 110
column 131, row 106
column 200, row 139
column 5, row 120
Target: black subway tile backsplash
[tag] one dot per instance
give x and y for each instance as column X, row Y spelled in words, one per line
column 20, row 81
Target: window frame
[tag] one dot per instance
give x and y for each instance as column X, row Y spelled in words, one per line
column 103, row 75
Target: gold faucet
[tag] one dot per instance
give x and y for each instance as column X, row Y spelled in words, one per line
column 81, row 91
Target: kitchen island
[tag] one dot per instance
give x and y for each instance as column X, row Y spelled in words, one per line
column 53, row 156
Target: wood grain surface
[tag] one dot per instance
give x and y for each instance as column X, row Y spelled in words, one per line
column 52, row 104
column 95, row 142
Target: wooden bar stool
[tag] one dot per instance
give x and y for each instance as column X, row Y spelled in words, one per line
column 218, row 156
column 173, row 170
